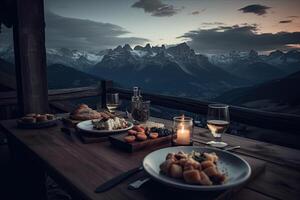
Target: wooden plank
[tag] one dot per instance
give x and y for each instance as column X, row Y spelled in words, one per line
column 82, row 167
column 247, row 194
column 255, row 117
column 9, row 98
column 118, row 142
column 271, row 182
column 278, row 181
column 30, row 56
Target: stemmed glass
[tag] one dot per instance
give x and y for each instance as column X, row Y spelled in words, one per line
column 112, row 102
column 218, row 122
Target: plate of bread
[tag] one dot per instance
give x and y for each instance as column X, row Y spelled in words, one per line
column 104, row 123
column 36, row 120
column 197, row 168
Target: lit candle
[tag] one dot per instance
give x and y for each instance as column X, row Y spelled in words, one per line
column 183, row 136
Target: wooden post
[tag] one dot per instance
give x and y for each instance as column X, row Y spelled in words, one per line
column 106, row 85
column 30, row 56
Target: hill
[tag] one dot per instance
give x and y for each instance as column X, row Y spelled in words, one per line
column 280, row 94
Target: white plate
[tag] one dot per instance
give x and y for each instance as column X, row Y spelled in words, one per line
column 88, row 127
column 238, row 169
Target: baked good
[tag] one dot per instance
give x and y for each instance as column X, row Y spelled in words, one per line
column 50, row 116
column 83, row 112
column 31, row 115
column 153, row 135
column 141, row 136
column 41, row 118
column 129, row 138
column 27, row 119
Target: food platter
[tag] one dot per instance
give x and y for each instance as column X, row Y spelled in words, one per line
column 37, row 125
column 237, row 169
column 88, row 127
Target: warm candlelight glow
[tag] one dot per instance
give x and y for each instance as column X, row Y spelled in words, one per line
column 183, row 136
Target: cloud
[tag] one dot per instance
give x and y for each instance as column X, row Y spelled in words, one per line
column 156, row 8
column 238, row 37
column 84, row 34
column 198, row 12
column 213, row 23
column 255, row 9
column 293, row 16
column 285, row 21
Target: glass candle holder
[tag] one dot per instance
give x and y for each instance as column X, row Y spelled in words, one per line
column 182, row 131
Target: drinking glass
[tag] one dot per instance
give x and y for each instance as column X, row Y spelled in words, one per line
column 218, row 122
column 112, row 102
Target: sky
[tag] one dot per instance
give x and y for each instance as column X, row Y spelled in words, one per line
column 208, row 26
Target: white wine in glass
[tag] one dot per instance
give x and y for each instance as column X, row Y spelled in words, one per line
column 218, row 122
column 112, row 102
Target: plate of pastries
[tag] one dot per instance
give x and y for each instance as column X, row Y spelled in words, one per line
column 37, row 120
column 197, row 168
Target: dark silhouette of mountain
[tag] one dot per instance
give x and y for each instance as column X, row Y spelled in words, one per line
column 60, row 76
column 6, row 67
column 176, row 70
column 284, row 92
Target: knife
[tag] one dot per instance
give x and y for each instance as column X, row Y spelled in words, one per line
column 118, row 179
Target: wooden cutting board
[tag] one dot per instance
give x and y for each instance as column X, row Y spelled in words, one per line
column 118, row 142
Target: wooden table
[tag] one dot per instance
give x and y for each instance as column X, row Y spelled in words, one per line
column 79, row 168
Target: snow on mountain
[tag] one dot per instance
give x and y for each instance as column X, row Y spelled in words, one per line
column 72, row 58
column 161, row 69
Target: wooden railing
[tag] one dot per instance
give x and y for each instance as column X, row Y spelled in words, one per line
column 263, row 119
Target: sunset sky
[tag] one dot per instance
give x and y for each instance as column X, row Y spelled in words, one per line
column 207, row 25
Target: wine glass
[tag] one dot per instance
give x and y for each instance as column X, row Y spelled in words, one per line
column 218, row 122
column 112, row 102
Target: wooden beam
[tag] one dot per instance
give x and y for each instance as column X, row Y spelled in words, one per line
column 9, row 98
column 30, row 56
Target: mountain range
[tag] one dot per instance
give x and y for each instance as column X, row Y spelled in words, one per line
column 241, row 78
column 258, row 68
column 176, row 70
column 58, row 75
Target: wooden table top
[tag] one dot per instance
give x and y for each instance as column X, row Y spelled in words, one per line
column 86, row 166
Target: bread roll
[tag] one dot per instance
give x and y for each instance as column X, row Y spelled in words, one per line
column 175, row 171
column 41, row 118
column 28, row 120
column 207, row 164
column 204, row 179
column 192, row 176
column 211, row 171
column 165, row 166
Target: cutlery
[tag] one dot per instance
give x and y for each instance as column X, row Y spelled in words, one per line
column 138, row 183
column 118, row 179
column 223, row 148
column 231, row 148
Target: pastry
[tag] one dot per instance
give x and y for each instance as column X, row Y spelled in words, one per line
column 41, row 118
column 129, row 138
column 31, row 115
column 50, row 116
column 83, row 112
column 153, row 135
column 28, row 119
column 141, row 136
column 132, row 132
